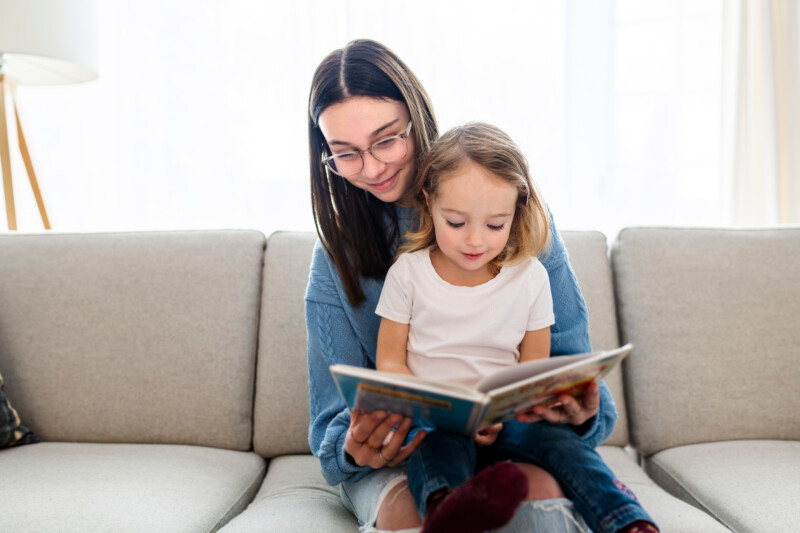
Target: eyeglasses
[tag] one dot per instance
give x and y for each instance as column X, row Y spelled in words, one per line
column 386, row 150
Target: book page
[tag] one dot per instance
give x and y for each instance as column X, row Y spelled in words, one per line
column 512, row 374
column 507, row 401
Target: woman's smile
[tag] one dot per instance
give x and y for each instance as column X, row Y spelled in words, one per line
column 385, row 185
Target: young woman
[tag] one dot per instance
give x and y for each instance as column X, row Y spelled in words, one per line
column 370, row 124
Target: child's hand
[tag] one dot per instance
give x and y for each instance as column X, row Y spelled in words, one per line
column 567, row 410
column 488, row 435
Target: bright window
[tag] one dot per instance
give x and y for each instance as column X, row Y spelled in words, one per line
column 198, row 118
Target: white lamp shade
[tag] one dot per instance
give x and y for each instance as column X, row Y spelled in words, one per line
column 48, row 42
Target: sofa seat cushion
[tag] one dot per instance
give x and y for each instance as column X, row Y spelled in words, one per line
column 749, row 485
column 294, row 497
column 124, row 487
column 670, row 513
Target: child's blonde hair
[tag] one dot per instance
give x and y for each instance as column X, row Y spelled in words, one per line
column 493, row 150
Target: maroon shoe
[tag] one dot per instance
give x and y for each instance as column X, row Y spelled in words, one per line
column 486, row 501
column 640, row 526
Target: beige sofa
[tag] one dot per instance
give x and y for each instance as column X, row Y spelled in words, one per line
column 166, row 374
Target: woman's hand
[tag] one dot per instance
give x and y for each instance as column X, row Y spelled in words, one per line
column 487, row 435
column 373, row 441
column 568, row 410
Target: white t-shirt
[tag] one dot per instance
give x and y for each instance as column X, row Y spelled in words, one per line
column 460, row 334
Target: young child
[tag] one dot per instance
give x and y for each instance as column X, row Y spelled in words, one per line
column 467, row 295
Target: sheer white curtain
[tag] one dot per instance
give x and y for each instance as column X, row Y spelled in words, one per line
column 198, row 117
column 762, row 150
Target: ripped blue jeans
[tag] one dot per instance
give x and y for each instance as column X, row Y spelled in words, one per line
column 597, row 501
column 364, row 497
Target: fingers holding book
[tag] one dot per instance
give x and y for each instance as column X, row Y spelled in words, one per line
column 573, row 410
column 376, row 439
column 487, row 435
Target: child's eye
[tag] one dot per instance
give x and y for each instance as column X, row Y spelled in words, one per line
column 496, row 228
column 455, row 224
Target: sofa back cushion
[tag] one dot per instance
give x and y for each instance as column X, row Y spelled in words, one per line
column 137, row 337
column 281, row 407
column 588, row 255
column 282, row 377
column 714, row 316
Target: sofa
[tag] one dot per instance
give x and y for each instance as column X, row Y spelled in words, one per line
column 165, row 373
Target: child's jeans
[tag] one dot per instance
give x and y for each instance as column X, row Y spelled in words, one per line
column 443, row 460
column 447, row 459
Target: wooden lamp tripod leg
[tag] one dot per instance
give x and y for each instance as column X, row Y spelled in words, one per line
column 5, row 155
column 26, row 157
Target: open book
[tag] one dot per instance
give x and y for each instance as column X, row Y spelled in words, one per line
column 499, row 396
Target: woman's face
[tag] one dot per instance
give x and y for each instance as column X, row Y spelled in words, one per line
column 359, row 122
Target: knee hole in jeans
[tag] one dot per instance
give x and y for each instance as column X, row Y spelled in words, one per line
column 397, row 510
column 541, row 485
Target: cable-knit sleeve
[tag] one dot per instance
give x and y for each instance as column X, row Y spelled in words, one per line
column 331, row 340
column 570, row 333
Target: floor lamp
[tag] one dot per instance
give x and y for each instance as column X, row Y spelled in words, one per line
column 42, row 42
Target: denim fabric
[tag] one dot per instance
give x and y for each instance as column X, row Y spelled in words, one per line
column 546, row 516
column 443, row 460
column 601, row 499
column 364, row 498
column 447, row 459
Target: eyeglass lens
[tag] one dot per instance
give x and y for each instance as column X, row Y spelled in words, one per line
column 386, row 151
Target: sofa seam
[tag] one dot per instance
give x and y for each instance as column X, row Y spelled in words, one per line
column 227, row 517
column 699, row 504
column 256, row 358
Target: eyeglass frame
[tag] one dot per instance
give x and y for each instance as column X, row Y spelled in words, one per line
column 402, row 136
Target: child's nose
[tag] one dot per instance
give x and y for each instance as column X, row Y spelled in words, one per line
column 474, row 236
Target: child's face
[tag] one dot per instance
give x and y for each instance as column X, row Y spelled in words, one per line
column 472, row 214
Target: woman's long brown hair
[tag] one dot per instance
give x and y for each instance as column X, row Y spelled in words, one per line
column 351, row 223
